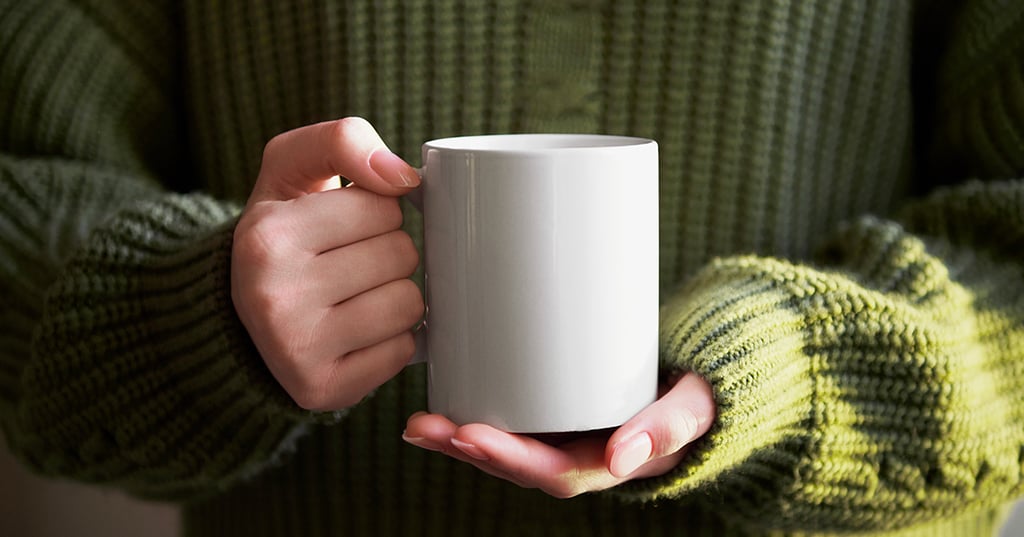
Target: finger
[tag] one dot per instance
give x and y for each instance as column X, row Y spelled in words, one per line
column 434, row 432
column 351, row 378
column 663, row 428
column 284, row 234
column 371, row 317
column 456, row 450
column 343, row 273
column 434, row 428
column 307, row 159
column 563, row 472
column 339, row 217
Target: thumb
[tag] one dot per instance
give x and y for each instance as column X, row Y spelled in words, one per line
column 662, row 429
column 307, row 159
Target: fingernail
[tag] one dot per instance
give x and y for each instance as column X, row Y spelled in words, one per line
column 630, row 454
column 471, row 450
column 393, row 169
column 420, row 442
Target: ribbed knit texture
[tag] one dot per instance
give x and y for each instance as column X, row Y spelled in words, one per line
column 866, row 348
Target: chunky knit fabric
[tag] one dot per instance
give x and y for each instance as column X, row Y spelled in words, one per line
column 842, row 251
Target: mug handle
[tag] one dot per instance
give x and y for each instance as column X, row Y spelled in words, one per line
column 415, row 198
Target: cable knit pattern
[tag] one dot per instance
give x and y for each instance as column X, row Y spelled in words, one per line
column 865, row 346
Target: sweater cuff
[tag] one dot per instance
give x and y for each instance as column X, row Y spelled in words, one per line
column 143, row 376
column 880, row 396
column 737, row 325
column 207, row 339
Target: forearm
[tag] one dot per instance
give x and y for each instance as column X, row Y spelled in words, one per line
column 129, row 366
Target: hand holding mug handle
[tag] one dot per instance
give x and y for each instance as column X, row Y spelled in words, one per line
column 319, row 273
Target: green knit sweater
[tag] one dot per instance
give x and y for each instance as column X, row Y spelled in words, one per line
column 842, row 251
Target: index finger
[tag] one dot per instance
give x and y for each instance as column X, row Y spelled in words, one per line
column 306, row 159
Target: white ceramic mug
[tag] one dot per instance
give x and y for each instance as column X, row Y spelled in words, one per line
column 541, row 262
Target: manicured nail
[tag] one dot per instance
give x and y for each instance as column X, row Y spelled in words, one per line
column 393, row 169
column 471, row 450
column 630, row 454
column 420, row 442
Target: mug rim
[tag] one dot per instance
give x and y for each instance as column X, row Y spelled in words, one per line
column 535, row 142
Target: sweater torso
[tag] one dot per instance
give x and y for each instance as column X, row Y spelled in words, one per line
column 766, row 141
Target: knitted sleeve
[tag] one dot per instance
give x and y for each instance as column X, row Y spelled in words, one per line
column 121, row 359
column 882, row 385
column 880, row 390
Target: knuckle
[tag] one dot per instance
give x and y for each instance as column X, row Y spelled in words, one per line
column 264, row 239
column 312, row 391
column 346, row 128
column 285, row 355
column 674, row 433
column 680, row 432
column 338, row 137
column 274, row 146
column 266, row 301
column 293, row 357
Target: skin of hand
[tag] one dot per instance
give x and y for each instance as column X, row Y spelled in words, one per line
column 650, row 444
column 319, row 273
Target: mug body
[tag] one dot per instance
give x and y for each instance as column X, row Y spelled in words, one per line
column 541, row 261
